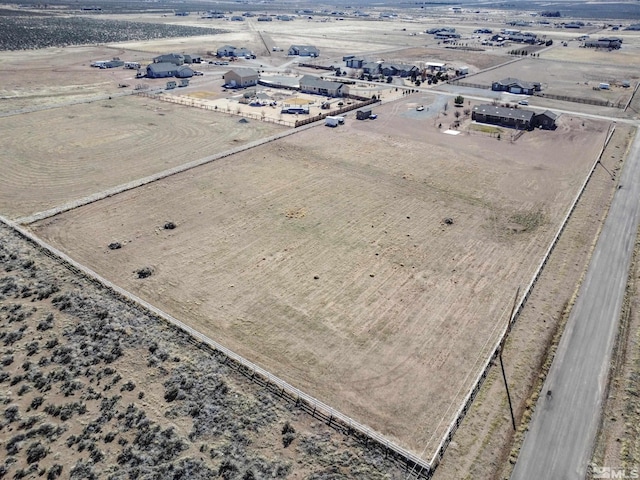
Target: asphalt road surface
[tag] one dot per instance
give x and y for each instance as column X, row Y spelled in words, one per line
column 562, row 433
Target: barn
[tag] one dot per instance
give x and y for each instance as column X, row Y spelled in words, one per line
column 241, row 77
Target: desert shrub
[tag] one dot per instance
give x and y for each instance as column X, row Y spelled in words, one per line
column 24, row 389
column 7, row 360
column 115, row 246
column 228, row 469
column 16, row 379
column 4, row 376
column 51, row 343
column 54, row 472
column 82, row 470
column 15, row 443
column 36, row 402
column 32, row 348
column 35, row 452
column 169, row 226
column 12, row 337
column 110, row 437
column 26, row 365
column 12, row 413
column 29, row 422
column 144, row 272
column 45, row 324
column 128, row 386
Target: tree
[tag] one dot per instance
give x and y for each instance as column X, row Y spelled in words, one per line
column 389, row 79
column 456, row 114
column 459, row 100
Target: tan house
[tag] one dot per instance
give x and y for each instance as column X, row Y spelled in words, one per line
column 240, row 77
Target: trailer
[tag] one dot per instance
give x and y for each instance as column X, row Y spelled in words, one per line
column 604, row 86
column 333, row 121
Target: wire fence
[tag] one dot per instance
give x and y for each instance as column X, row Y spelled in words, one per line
column 473, row 392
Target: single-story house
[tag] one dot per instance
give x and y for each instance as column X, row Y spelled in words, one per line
column 355, row 62
column 174, row 58
column 241, row 77
column 166, row 69
column 162, row 70
column 545, row 120
column 304, row 51
column 513, row 85
column 231, row 51
column 510, row 117
column 311, row 84
column 398, row 69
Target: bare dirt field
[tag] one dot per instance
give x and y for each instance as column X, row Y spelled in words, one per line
column 326, row 260
column 58, row 76
column 95, row 388
column 106, row 143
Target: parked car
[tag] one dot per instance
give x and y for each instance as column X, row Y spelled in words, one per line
column 420, row 108
column 197, row 73
column 523, row 102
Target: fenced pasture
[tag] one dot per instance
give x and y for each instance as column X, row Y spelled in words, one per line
column 87, row 148
column 324, row 257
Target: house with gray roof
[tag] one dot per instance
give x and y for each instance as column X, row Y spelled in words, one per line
column 231, row 51
column 509, row 117
column 311, row 84
column 167, row 69
column 304, row 51
column 398, row 69
column 513, row 85
column 174, row 58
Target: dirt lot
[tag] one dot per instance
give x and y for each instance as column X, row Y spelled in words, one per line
column 106, row 143
column 343, row 243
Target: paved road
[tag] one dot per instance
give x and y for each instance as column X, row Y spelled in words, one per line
column 562, row 432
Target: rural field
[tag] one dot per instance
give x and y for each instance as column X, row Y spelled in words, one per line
column 373, row 265
column 328, row 260
column 106, row 143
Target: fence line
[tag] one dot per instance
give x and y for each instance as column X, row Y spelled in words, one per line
column 413, row 464
column 473, row 392
column 192, row 102
column 343, row 109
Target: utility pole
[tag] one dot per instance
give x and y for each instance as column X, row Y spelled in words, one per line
column 504, row 375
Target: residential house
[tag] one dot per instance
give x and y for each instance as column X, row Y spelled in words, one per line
column 174, row 58
column 545, row 120
column 509, row 117
column 166, row 69
column 513, row 85
column 231, row 51
column 304, row 51
column 398, row 69
column 311, row 84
